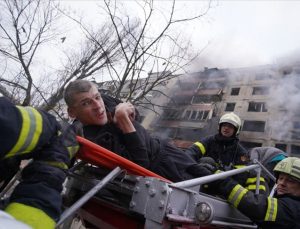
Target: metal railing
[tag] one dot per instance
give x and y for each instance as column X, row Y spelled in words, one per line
column 210, row 178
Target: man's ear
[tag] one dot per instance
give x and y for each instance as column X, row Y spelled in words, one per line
column 71, row 112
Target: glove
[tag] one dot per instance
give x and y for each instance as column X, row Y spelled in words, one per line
column 206, row 166
column 208, row 160
column 241, row 178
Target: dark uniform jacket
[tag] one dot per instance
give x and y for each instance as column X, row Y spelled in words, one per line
column 152, row 153
column 228, row 153
column 280, row 212
column 26, row 133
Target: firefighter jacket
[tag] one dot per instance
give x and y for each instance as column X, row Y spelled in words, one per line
column 152, row 153
column 27, row 133
column 278, row 212
column 227, row 152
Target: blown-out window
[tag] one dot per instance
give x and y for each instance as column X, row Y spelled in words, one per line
column 280, row 146
column 260, row 91
column 255, row 126
column 230, row 107
column 295, row 150
column 257, row 107
column 171, row 114
column 235, row 91
column 195, row 115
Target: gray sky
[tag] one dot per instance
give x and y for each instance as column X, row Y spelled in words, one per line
column 245, row 33
column 233, row 34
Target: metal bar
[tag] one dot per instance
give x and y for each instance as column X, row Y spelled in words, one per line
column 258, row 172
column 13, row 181
column 265, row 169
column 67, row 213
column 10, row 185
column 231, row 224
column 273, row 191
column 210, row 178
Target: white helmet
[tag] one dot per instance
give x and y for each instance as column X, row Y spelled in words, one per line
column 233, row 119
column 7, row 221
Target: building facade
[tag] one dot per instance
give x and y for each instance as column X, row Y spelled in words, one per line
column 264, row 97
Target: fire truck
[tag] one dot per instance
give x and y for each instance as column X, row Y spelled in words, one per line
column 104, row 190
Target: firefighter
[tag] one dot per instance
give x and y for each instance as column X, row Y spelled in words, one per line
column 282, row 210
column 26, row 133
column 224, row 148
column 113, row 126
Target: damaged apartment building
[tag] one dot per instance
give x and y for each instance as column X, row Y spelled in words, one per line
column 265, row 97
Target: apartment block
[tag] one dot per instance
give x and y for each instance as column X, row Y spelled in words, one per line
column 265, row 97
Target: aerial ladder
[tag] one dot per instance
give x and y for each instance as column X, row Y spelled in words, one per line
column 105, row 190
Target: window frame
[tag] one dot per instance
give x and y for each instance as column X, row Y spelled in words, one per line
column 250, row 123
column 257, row 107
column 228, row 105
column 235, row 89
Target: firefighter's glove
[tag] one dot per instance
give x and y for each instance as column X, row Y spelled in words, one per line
column 208, row 160
column 242, row 178
column 209, row 164
column 206, row 166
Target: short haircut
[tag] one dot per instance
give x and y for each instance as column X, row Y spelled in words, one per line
column 77, row 86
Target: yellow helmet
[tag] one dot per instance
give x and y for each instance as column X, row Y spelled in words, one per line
column 290, row 166
column 233, row 119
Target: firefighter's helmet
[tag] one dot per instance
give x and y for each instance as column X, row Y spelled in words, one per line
column 233, row 119
column 290, row 166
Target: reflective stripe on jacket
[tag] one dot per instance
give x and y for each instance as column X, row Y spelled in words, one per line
column 27, row 133
column 269, row 213
column 225, row 153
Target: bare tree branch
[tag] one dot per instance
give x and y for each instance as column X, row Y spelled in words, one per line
column 124, row 49
column 25, row 28
column 144, row 49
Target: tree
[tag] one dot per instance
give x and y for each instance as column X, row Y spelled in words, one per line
column 96, row 53
column 145, row 50
column 24, row 29
column 124, row 47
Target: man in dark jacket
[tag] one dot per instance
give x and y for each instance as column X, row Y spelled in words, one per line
column 26, row 133
column 279, row 212
column 113, row 126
